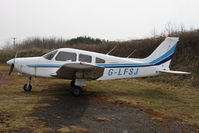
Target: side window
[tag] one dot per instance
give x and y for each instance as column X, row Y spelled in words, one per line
column 65, row 56
column 50, row 55
column 99, row 60
column 85, row 58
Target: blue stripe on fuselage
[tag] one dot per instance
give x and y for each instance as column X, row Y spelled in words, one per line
column 45, row 65
column 162, row 59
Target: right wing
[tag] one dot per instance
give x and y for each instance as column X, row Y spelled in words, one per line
column 79, row 70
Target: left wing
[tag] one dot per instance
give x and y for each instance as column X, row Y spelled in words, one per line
column 79, row 70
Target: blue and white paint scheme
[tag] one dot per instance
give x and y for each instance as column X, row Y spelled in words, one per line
column 80, row 65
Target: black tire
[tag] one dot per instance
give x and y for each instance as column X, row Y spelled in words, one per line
column 27, row 88
column 76, row 91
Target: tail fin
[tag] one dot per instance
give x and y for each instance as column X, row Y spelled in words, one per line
column 163, row 54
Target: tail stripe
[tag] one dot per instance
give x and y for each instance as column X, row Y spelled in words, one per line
column 165, row 60
column 132, row 65
column 170, row 52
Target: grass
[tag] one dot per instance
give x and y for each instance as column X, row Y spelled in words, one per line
column 170, row 99
column 170, row 95
column 102, row 119
column 73, row 129
column 16, row 106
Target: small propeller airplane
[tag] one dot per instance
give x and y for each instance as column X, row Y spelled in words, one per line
column 80, row 65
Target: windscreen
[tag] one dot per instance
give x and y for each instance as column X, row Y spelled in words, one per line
column 50, row 55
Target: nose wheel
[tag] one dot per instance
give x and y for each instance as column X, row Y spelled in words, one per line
column 28, row 87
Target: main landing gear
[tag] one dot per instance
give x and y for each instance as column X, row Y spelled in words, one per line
column 76, row 86
column 28, row 87
column 75, row 89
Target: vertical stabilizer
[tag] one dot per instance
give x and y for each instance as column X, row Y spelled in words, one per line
column 163, row 54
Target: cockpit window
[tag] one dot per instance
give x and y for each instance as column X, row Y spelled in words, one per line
column 66, row 56
column 50, row 55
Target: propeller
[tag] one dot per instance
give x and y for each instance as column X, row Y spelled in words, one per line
column 11, row 69
column 12, row 65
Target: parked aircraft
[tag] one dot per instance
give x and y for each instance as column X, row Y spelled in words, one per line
column 80, row 65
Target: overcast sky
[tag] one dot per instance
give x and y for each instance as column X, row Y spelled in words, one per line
column 106, row 19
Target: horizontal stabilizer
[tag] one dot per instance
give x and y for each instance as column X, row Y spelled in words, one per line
column 174, row 72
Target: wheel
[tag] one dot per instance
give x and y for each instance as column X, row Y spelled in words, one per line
column 72, row 84
column 27, row 88
column 77, row 91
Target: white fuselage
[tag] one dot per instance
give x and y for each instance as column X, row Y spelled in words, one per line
column 114, row 67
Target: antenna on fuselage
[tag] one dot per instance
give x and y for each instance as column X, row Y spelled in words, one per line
column 131, row 53
column 111, row 50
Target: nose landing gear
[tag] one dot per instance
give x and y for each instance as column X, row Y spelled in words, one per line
column 28, row 87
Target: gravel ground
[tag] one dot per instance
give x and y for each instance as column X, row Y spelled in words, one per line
column 86, row 111
column 101, row 116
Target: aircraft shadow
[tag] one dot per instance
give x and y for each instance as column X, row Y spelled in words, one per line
column 64, row 109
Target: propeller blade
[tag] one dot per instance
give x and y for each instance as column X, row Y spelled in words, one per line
column 12, row 65
column 11, row 69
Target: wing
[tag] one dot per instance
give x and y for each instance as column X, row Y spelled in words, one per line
column 80, row 71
